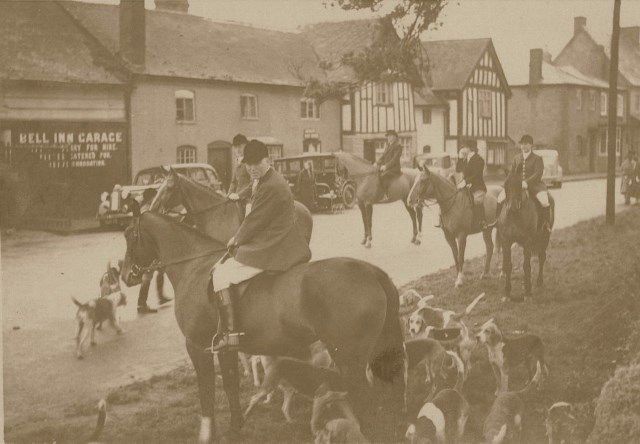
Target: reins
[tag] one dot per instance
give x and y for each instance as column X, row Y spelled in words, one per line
column 157, row 264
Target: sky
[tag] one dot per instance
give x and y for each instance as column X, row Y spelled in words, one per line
column 516, row 26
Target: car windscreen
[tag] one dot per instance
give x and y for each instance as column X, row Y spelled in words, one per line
column 149, row 177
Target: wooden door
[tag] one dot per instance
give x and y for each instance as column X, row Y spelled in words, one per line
column 219, row 157
column 370, row 150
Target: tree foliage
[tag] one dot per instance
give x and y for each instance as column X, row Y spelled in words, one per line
column 395, row 54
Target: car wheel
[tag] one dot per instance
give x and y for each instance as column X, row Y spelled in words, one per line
column 349, row 195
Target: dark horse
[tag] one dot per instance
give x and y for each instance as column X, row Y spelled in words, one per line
column 350, row 305
column 519, row 222
column 456, row 213
column 368, row 193
column 202, row 202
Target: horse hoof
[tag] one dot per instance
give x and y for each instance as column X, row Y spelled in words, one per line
column 418, row 242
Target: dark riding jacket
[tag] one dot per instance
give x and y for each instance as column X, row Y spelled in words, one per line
column 268, row 238
column 530, row 171
column 390, row 159
column 474, row 173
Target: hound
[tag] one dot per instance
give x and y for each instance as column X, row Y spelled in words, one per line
column 505, row 354
column 293, row 375
column 442, row 420
column 411, row 297
column 561, row 424
column 505, row 417
column 95, row 312
column 427, row 316
column 343, row 428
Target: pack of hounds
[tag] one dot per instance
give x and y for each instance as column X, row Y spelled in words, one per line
column 443, row 379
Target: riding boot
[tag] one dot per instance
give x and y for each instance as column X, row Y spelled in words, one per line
column 478, row 215
column 226, row 338
column 546, row 218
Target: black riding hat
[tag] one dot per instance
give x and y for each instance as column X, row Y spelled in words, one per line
column 254, row 152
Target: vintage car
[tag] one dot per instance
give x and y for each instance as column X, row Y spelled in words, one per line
column 110, row 210
column 441, row 163
column 552, row 175
column 333, row 186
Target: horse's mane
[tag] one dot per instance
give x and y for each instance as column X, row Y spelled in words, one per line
column 191, row 231
column 442, row 180
column 184, row 180
column 356, row 166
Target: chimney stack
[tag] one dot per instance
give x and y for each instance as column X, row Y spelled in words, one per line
column 535, row 66
column 132, row 31
column 631, row 33
column 578, row 24
column 173, row 5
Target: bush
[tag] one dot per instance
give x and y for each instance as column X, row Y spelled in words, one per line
column 618, row 409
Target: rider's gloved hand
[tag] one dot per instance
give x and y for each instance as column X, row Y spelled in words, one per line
column 383, row 168
column 233, row 196
column 525, row 185
column 462, row 184
column 231, row 243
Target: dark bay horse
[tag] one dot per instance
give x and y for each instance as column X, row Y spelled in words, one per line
column 519, row 223
column 368, row 193
column 348, row 304
column 456, row 213
column 201, row 202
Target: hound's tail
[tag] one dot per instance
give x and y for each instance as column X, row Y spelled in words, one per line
column 75, row 301
column 533, row 383
column 467, row 310
column 102, row 417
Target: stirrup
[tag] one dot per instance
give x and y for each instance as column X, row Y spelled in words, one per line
column 228, row 342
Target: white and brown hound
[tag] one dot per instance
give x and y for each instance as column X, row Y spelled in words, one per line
column 440, row 421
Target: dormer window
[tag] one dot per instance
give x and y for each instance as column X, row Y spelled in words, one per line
column 185, row 106
column 383, row 93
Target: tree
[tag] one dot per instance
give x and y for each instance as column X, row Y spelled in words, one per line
column 613, row 107
column 395, row 53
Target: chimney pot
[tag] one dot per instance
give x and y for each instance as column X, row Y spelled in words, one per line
column 578, row 24
column 535, row 66
column 133, row 31
column 173, row 5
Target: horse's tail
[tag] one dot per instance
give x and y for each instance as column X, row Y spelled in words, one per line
column 388, row 359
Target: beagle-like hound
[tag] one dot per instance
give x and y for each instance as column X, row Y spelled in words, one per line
column 440, row 421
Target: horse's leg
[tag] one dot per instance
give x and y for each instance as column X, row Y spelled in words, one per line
column 419, row 217
column 454, row 249
column 542, row 258
column 506, row 269
column 414, row 222
column 462, row 245
column 231, row 383
column 205, row 372
column 363, row 213
column 526, row 266
column 369, row 208
column 488, row 243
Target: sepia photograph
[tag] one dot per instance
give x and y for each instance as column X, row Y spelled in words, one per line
column 320, row 221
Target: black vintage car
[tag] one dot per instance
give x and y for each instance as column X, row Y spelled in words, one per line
column 333, row 187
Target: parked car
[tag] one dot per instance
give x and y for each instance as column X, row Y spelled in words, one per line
column 332, row 183
column 552, row 175
column 110, row 210
column 441, row 163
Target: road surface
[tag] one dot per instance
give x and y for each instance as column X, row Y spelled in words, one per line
column 40, row 273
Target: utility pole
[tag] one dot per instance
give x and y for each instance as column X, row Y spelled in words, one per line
column 613, row 107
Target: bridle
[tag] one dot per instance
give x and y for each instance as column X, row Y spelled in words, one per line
column 447, row 204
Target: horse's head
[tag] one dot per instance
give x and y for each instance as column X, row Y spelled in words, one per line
column 422, row 188
column 140, row 253
column 515, row 194
column 168, row 196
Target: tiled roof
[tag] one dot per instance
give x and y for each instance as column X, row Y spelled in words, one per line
column 183, row 45
column 426, row 97
column 628, row 59
column 556, row 75
column 453, row 61
column 39, row 41
column 331, row 40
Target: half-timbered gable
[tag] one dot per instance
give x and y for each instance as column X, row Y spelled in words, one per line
column 371, row 108
column 467, row 75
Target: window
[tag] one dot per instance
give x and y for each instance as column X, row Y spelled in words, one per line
column 426, row 115
column 426, row 149
column 186, row 154
column 406, row 148
column 275, row 152
column 620, row 106
column 383, row 94
column 603, row 103
column 592, row 100
column 578, row 99
column 185, row 111
column 249, row 106
column 309, row 109
column 484, row 103
column 603, row 141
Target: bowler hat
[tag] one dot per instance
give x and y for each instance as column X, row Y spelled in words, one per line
column 254, row 152
column 391, row 133
column 526, row 139
column 239, row 139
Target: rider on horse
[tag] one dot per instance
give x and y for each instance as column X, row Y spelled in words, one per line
column 530, row 167
column 474, row 179
column 267, row 239
column 389, row 163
